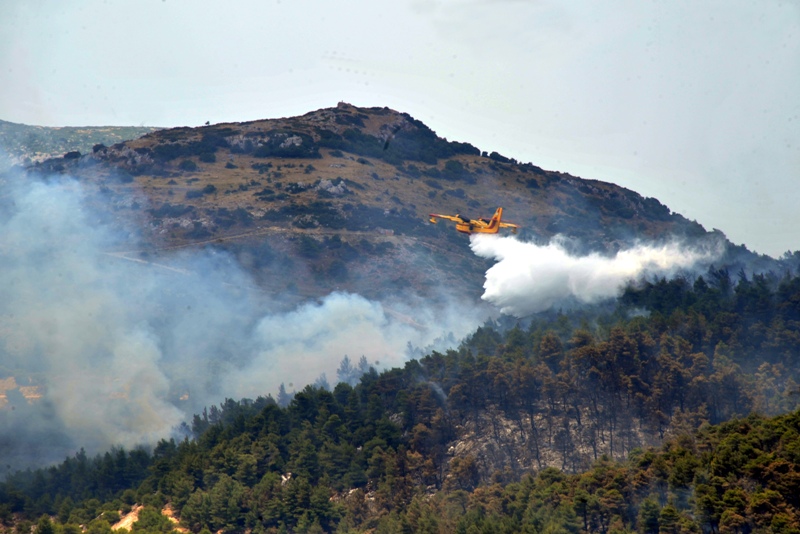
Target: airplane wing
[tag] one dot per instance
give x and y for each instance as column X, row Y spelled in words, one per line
column 454, row 218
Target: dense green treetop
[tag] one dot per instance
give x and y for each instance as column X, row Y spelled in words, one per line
column 636, row 419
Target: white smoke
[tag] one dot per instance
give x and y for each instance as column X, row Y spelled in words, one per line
column 530, row 278
column 290, row 345
column 123, row 351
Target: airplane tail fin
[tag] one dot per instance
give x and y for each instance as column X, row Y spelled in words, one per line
column 498, row 215
column 496, row 218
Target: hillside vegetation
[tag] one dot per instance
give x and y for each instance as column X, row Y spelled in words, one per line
column 636, row 419
column 338, row 199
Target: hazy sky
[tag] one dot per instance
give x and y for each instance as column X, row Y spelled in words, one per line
column 696, row 103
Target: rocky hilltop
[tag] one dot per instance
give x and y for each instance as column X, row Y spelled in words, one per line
column 338, row 199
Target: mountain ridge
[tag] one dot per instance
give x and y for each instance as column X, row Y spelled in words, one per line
column 343, row 193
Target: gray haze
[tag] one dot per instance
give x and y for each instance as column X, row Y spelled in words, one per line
column 692, row 102
column 124, row 351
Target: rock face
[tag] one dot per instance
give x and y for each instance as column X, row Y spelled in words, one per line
column 127, row 520
column 338, row 199
column 500, row 444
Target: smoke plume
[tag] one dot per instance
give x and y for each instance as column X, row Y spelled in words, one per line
column 99, row 349
column 529, row 278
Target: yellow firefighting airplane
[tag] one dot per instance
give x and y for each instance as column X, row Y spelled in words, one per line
column 477, row 226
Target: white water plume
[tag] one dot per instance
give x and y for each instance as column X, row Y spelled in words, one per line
column 530, row 278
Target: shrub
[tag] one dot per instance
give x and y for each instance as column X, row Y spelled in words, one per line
column 198, row 232
column 351, row 184
column 337, row 271
column 452, row 166
column 458, row 193
column 207, row 145
column 295, row 188
column 265, row 194
column 287, row 144
column 433, row 184
column 261, row 167
column 419, row 143
column 168, row 210
column 502, row 159
column 308, row 247
column 412, row 170
column 454, row 170
column 348, row 118
column 123, row 176
column 187, row 165
column 243, row 217
column 207, row 190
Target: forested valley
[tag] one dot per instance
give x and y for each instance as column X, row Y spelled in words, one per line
column 671, row 411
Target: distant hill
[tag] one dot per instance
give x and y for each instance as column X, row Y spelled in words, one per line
column 24, row 144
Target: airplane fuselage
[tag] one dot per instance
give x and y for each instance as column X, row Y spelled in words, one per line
column 476, row 226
